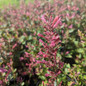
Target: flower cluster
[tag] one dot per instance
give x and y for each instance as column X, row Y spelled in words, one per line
column 51, row 43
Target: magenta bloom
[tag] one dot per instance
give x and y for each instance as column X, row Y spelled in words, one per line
column 21, row 58
column 14, row 46
column 2, row 70
column 43, row 19
column 55, row 20
column 71, row 26
column 47, row 74
column 26, row 54
column 1, row 82
column 10, row 53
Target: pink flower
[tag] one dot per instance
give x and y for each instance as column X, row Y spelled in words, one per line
column 27, row 13
column 38, row 62
column 33, row 59
column 45, row 55
column 25, row 34
column 67, row 52
column 59, row 72
column 71, row 26
column 43, row 83
column 56, row 24
column 27, row 54
column 69, row 8
column 40, row 53
column 10, row 53
column 52, row 44
column 55, row 20
column 55, row 37
column 2, row 39
column 21, row 58
column 41, row 35
column 1, row 82
column 14, row 46
column 2, row 70
column 47, row 74
column 26, row 46
column 43, row 19
column 43, row 61
column 41, row 41
column 73, row 15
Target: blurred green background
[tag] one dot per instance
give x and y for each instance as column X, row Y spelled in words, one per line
column 12, row 2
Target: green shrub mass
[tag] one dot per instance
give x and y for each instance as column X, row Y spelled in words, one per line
column 43, row 44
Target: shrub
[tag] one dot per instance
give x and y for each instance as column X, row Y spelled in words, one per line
column 43, row 44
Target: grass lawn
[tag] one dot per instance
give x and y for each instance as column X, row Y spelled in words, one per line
column 7, row 2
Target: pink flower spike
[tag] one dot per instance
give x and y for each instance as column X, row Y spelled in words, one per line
column 56, row 24
column 40, row 53
column 67, row 14
column 43, row 19
column 38, row 62
column 47, row 74
column 67, row 52
column 41, row 41
column 56, row 18
column 21, row 58
column 52, row 44
column 14, row 46
column 41, row 35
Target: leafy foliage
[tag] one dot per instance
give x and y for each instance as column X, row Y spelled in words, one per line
column 43, row 44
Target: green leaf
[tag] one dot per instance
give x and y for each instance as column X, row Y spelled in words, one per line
column 80, row 50
column 71, row 30
column 42, row 77
column 55, row 83
column 30, row 37
column 22, row 39
column 22, row 84
column 84, row 76
column 68, row 65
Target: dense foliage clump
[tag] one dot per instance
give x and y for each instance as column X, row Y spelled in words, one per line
column 43, row 44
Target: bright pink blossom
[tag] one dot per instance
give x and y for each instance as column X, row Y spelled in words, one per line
column 2, row 70
column 43, row 19
column 14, row 46
column 26, row 54
column 47, row 74
column 71, row 26
column 21, row 58
column 56, row 24
column 1, row 82
column 10, row 53
column 55, row 20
